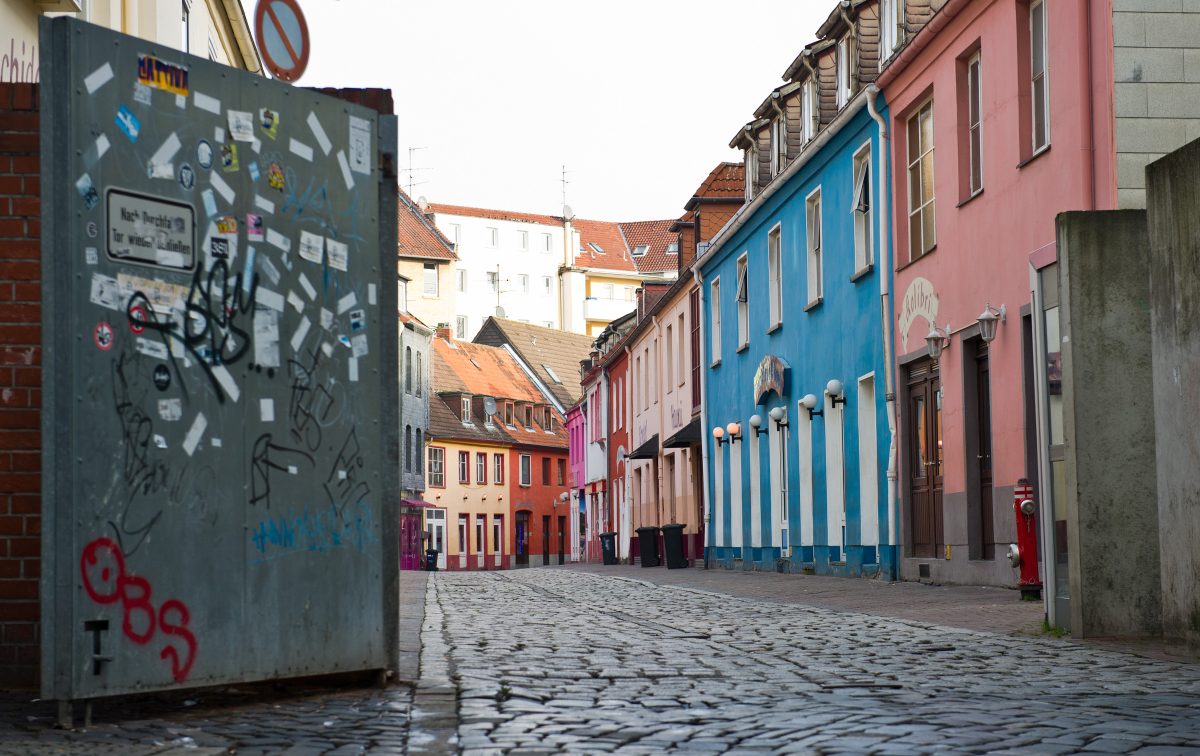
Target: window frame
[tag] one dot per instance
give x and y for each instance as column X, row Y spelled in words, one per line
column 862, row 172
column 497, row 468
column 775, row 276
column 742, row 298
column 510, row 416
column 461, row 280
column 464, row 409
column 464, row 467
column 974, row 125
column 714, row 321
column 523, row 282
column 425, row 280
column 842, row 70
column 436, row 456
column 460, row 326
column 481, row 476
column 913, row 167
column 525, row 470
column 547, row 243
column 492, row 236
column 560, row 471
column 1044, row 101
column 814, row 246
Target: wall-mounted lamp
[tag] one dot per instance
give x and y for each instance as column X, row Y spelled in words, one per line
column 756, row 422
column 564, row 496
column 734, row 429
column 937, row 340
column 779, row 415
column 988, row 320
column 809, row 402
column 835, row 392
column 719, row 434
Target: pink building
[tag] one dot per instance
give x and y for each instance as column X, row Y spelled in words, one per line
column 1001, row 117
column 578, row 464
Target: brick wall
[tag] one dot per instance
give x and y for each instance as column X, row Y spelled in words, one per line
column 20, row 384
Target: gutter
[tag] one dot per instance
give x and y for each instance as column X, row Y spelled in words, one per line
column 243, row 36
column 919, row 42
column 708, row 502
column 734, row 224
column 885, row 317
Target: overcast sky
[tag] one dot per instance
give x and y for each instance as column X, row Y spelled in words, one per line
column 638, row 98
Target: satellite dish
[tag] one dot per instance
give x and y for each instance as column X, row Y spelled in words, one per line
column 620, row 452
column 489, row 406
column 500, row 312
column 568, row 213
column 423, row 203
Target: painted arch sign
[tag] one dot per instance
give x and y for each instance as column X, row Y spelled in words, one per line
column 217, row 345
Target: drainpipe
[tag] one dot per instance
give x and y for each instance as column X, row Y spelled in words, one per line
column 885, row 316
column 704, row 421
column 658, row 377
column 1087, row 113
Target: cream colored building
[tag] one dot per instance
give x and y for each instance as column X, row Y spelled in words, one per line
column 215, row 29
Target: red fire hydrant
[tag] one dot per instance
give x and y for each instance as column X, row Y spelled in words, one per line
column 1024, row 553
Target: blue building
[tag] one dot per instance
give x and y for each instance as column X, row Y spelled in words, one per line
column 797, row 381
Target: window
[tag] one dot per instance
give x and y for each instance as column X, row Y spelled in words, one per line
column 460, row 326
column 627, row 293
column 481, row 468
column 547, row 420
column 921, row 231
column 670, row 359
column 497, row 533
column 493, row 279
column 480, row 546
column 498, row 469
column 526, row 470
column 596, row 248
column 491, row 236
column 673, row 248
column 546, row 242
column 408, row 370
column 461, row 276
column 843, row 72
column 528, row 417
column 1040, row 89
column 545, row 471
column 638, row 378
column 523, row 240
column 751, row 162
column 743, row 301
column 775, row 275
column 561, row 477
column 454, row 232
column 402, row 294
column 812, row 230
column 714, row 314
column 462, row 535
column 810, row 110
column 680, row 330
column 550, row 372
column 641, row 250
column 437, row 467
column 420, row 375
column 891, row 16
column 508, row 414
column 861, row 209
column 602, row 291
column 464, row 467
column 465, row 409
column 431, row 280
column 185, row 31
column 974, row 125
column 523, row 283
column 694, row 303
column 408, row 448
column 419, row 452
column 547, row 285
column 776, row 140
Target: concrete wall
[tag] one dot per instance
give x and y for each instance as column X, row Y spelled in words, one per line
column 1173, row 185
column 1108, row 424
column 1157, row 86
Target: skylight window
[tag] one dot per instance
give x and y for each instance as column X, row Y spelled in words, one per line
column 476, row 364
column 641, row 250
column 550, row 372
column 673, row 248
column 596, row 247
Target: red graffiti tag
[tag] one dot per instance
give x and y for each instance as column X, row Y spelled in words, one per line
column 102, row 566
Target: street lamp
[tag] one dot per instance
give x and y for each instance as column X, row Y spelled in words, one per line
column 734, row 429
column 809, row 402
column 835, row 392
column 937, row 340
column 719, row 434
column 988, row 320
column 756, row 422
column 779, row 415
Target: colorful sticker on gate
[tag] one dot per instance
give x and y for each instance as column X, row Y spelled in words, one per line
column 103, row 336
column 128, row 123
column 161, row 74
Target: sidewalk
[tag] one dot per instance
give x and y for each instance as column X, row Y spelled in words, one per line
column 989, row 609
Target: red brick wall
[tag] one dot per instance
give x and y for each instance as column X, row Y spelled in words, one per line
column 20, row 384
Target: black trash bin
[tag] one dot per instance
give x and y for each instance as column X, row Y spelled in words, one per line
column 673, row 546
column 648, row 546
column 431, row 556
column 608, row 547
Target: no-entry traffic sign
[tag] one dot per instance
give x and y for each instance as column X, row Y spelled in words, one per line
column 282, row 38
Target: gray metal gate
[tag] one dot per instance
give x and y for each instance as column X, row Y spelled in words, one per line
column 219, row 345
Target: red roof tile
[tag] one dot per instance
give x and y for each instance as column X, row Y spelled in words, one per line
column 726, row 180
column 657, row 238
column 507, row 215
column 466, row 367
column 606, row 236
column 416, row 236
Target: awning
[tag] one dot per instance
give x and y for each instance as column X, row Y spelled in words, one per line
column 648, row 450
column 688, row 435
column 414, row 503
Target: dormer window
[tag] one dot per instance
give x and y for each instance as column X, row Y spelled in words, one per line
column 776, row 163
column 810, row 113
column 528, row 417
column 596, row 248
column 640, row 250
column 547, row 420
column 508, row 414
column 465, row 410
column 751, row 172
column 672, row 249
column 843, row 71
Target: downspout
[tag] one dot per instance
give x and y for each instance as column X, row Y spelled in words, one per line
column 699, row 279
column 1087, row 127
column 658, row 378
column 885, row 316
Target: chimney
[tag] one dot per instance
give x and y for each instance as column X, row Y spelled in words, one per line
column 640, row 294
column 584, row 367
column 443, row 332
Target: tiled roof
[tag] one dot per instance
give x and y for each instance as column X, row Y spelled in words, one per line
column 726, row 180
column 657, row 237
column 416, row 236
column 606, row 236
column 466, row 367
column 506, row 215
column 539, row 347
column 445, row 422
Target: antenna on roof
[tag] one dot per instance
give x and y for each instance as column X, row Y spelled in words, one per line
column 412, row 183
column 566, row 208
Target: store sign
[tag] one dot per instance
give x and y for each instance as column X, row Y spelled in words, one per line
column 920, row 299
column 770, row 376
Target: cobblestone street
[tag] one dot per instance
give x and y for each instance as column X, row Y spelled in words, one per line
column 590, row 659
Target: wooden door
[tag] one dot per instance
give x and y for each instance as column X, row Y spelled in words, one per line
column 923, row 440
column 522, row 538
